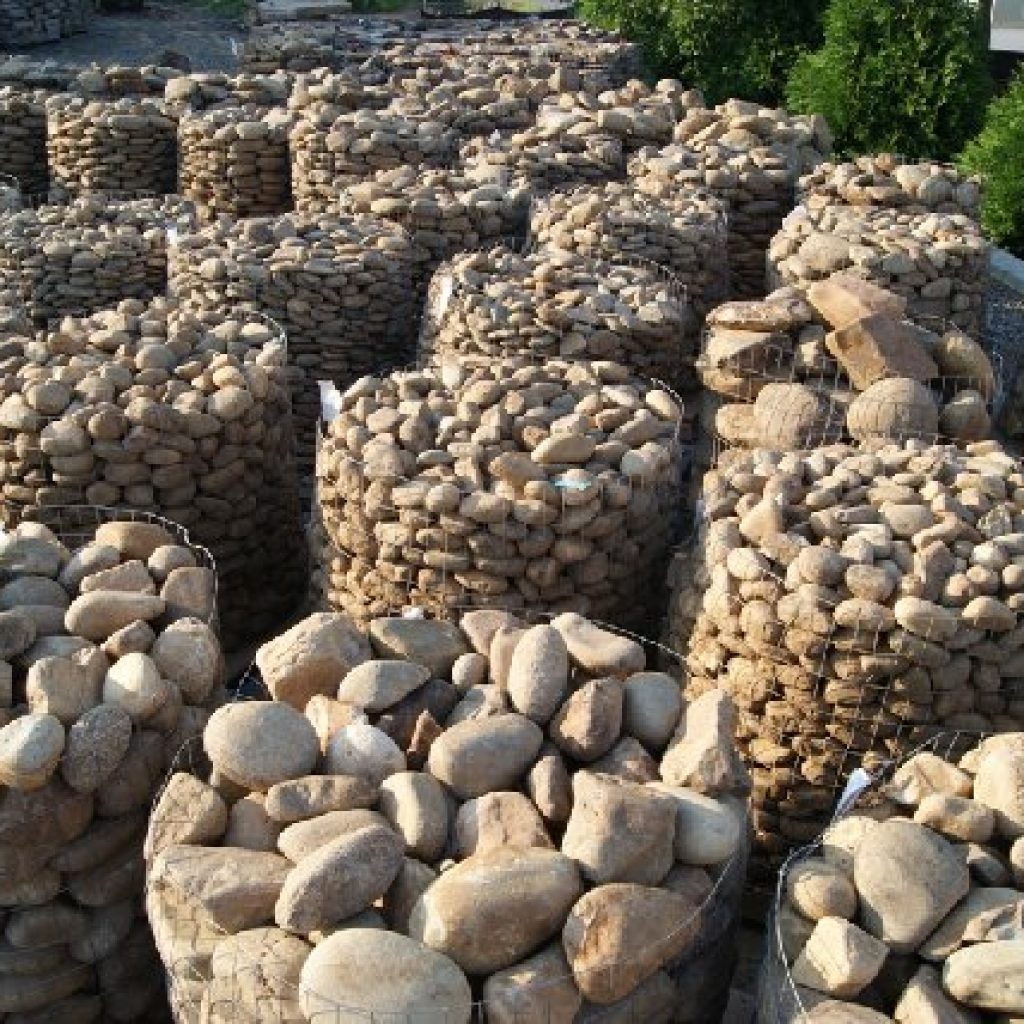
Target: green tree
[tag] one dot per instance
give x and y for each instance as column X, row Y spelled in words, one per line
column 899, row 75
column 742, row 48
column 997, row 153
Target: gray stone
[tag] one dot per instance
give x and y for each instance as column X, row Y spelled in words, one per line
column 989, row 976
column 497, row 821
column 539, row 990
column 651, row 708
column 490, row 911
column 588, row 723
column 340, row 879
column 314, row 795
column 485, row 755
column 364, row 751
column 417, row 808
column 257, row 744
column 619, row 831
column 538, row 675
column 378, row 685
column 423, row 641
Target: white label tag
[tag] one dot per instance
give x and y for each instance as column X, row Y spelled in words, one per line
column 565, row 484
column 330, row 401
column 412, row 612
column 859, row 781
column 234, row 45
column 700, row 511
column 172, row 234
column 444, row 294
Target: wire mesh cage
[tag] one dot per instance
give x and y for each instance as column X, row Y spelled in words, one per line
column 221, row 968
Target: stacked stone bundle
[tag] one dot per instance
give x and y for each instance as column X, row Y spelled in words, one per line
column 341, row 288
column 471, row 111
column 31, row 22
column 859, row 601
column 324, row 95
column 148, row 408
column 208, row 90
column 275, row 47
column 911, row 910
column 111, row 81
column 109, row 665
column 500, row 819
column 476, row 79
column 19, row 72
column 552, row 303
column 123, row 146
column 329, row 154
column 838, row 363
column 234, row 161
column 749, row 158
column 636, row 114
column 889, row 181
column 938, row 262
column 518, row 485
column 444, row 212
column 545, row 158
column 686, row 233
column 74, row 259
column 23, row 138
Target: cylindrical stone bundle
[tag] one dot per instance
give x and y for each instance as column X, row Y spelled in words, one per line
column 444, row 213
column 10, row 195
column 74, row 259
column 514, row 485
column 925, row 871
column 796, row 370
column 148, row 408
column 685, row 233
column 938, row 262
column 890, row 181
column 556, row 304
column 544, row 158
column 31, row 22
column 23, row 138
column 269, row 48
column 859, row 601
column 408, row 838
column 341, row 288
column 124, row 145
column 234, row 161
column 751, row 160
column 208, row 90
column 328, row 155
column 470, row 109
column 110, row 663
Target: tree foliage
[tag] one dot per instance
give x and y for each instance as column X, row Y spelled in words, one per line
column 897, row 75
column 742, row 48
column 997, row 153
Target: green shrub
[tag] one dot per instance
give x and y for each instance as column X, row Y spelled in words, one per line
column 903, row 76
column 997, row 153
column 742, row 48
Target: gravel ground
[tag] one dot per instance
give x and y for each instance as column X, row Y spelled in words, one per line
column 204, row 38
column 1004, row 331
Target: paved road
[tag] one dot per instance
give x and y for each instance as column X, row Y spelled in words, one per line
column 205, row 38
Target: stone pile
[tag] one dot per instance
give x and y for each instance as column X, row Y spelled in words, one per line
column 270, row 48
column 748, row 157
column 469, row 109
column 145, row 407
column 329, row 154
column 74, row 259
column 859, row 601
column 841, row 362
column 913, row 910
column 126, row 146
column 518, row 485
column 323, row 95
column 123, row 80
column 939, row 262
column 340, row 287
column 442, row 822
column 23, row 138
column 553, row 303
column 208, row 90
column 545, row 158
column 19, row 72
column 686, row 234
column 636, row 114
column 109, row 665
column 889, row 181
column 444, row 212
column 31, row 22
column 234, row 161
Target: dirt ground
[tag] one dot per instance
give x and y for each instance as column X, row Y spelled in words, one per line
column 206, row 39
